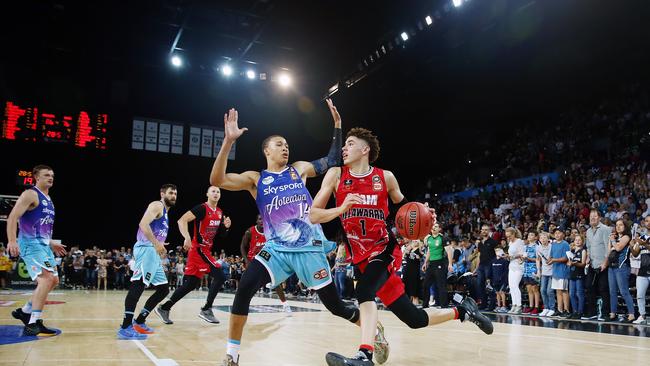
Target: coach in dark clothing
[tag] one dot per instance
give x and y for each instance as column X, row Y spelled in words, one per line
column 484, row 269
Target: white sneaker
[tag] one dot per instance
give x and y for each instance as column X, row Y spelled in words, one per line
column 287, row 309
column 640, row 320
column 550, row 313
column 544, row 312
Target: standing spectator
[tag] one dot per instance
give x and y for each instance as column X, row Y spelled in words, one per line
column 340, row 269
column 619, row 270
column 560, row 281
column 411, row 274
column 597, row 281
column 436, row 266
column 517, row 255
column 180, row 268
column 486, row 248
column 68, row 270
column 499, row 280
column 79, row 273
column 641, row 247
column 5, row 268
column 90, row 266
column 531, row 274
column 577, row 265
column 120, row 267
column 543, row 255
column 102, row 270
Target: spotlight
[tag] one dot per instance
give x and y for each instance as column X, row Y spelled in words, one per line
column 177, row 61
column 284, row 80
column 226, row 70
column 405, row 36
column 250, row 74
column 428, row 20
column 469, row 161
column 457, row 3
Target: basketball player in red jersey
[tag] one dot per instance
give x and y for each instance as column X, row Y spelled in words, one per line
column 207, row 219
column 362, row 192
column 251, row 244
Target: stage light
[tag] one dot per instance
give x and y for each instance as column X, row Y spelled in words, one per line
column 226, row 70
column 250, row 74
column 404, row 36
column 284, row 80
column 177, row 61
column 457, row 3
column 428, row 20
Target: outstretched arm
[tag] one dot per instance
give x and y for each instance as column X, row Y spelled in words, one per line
column 333, row 158
column 218, row 176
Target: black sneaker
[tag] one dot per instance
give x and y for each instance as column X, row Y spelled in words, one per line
column 565, row 315
column 475, row 316
column 38, row 329
column 360, row 359
column 22, row 316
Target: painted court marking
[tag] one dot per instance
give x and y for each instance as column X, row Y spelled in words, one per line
column 157, row 361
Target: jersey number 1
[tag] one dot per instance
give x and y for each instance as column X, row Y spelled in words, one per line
column 363, row 227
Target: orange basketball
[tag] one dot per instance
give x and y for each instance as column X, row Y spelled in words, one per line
column 413, row 221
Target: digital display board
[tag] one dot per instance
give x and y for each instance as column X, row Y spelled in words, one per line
column 31, row 124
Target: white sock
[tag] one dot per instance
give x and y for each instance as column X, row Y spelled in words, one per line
column 27, row 308
column 232, row 349
column 36, row 314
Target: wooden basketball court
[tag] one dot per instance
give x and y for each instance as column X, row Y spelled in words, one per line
column 89, row 320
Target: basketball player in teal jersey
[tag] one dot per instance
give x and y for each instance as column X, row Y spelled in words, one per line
column 34, row 215
column 294, row 244
column 150, row 245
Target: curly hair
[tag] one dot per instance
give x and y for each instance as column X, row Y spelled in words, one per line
column 369, row 138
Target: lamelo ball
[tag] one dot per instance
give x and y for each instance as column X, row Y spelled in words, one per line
column 413, row 221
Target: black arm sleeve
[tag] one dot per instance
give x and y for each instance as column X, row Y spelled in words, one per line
column 198, row 211
column 333, row 157
column 223, row 231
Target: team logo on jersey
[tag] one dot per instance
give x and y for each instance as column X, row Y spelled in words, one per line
column 319, row 275
column 376, row 183
column 293, row 175
column 44, row 203
column 347, row 184
column 215, row 222
column 268, row 180
column 317, row 243
column 266, row 255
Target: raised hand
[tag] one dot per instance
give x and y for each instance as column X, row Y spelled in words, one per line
column 335, row 113
column 231, row 128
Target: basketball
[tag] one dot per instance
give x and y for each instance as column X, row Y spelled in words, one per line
column 413, row 221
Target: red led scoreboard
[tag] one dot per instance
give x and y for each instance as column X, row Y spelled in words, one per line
column 33, row 125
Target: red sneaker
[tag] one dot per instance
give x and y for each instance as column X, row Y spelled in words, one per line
column 526, row 311
column 534, row 312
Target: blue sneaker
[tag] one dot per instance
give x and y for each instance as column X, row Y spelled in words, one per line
column 130, row 334
column 142, row 328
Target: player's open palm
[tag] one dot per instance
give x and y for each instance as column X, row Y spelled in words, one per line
column 58, row 248
column 231, row 126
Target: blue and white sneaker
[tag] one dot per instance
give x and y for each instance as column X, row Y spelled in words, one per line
column 130, row 334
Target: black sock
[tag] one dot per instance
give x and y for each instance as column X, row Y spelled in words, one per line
column 142, row 317
column 461, row 313
column 167, row 306
column 128, row 319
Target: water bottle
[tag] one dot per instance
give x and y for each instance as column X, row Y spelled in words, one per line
column 599, row 306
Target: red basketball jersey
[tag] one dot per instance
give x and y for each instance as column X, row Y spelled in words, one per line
column 206, row 226
column 364, row 224
column 256, row 243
